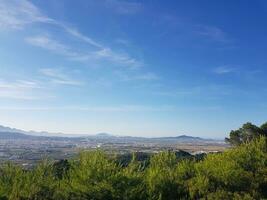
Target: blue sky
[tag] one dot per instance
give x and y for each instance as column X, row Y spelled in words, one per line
column 142, row 68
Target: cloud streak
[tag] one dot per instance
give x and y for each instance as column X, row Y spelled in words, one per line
column 211, row 32
column 17, row 14
column 224, row 70
column 80, row 36
column 121, row 58
column 50, row 44
column 59, row 77
column 38, row 89
column 147, row 76
column 124, row 7
column 22, row 89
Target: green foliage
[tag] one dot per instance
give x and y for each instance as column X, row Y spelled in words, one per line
column 160, row 177
column 264, row 128
column 61, row 168
column 246, row 133
column 16, row 183
column 238, row 173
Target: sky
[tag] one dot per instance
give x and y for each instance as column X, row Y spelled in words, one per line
column 140, row 68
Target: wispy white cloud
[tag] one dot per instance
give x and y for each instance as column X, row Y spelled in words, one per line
column 124, row 7
column 147, row 76
column 45, row 42
column 59, row 77
column 48, row 43
column 20, row 84
column 16, row 14
column 22, row 89
column 39, row 88
column 212, row 32
column 224, row 70
column 121, row 58
column 106, row 54
column 80, row 36
column 122, row 41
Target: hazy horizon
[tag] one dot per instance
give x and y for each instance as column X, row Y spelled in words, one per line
column 74, row 134
column 138, row 68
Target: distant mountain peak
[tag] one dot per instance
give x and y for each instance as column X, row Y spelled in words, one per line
column 104, row 135
column 189, row 137
column 8, row 129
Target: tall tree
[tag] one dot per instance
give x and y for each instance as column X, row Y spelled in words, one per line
column 264, row 128
column 246, row 133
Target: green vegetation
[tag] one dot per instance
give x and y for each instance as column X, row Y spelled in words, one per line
column 238, row 173
column 246, row 133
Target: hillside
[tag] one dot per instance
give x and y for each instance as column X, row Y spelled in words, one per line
column 14, row 135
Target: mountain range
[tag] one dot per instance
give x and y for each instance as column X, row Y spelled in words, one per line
column 13, row 133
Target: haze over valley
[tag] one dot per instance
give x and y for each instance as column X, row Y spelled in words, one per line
column 29, row 148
